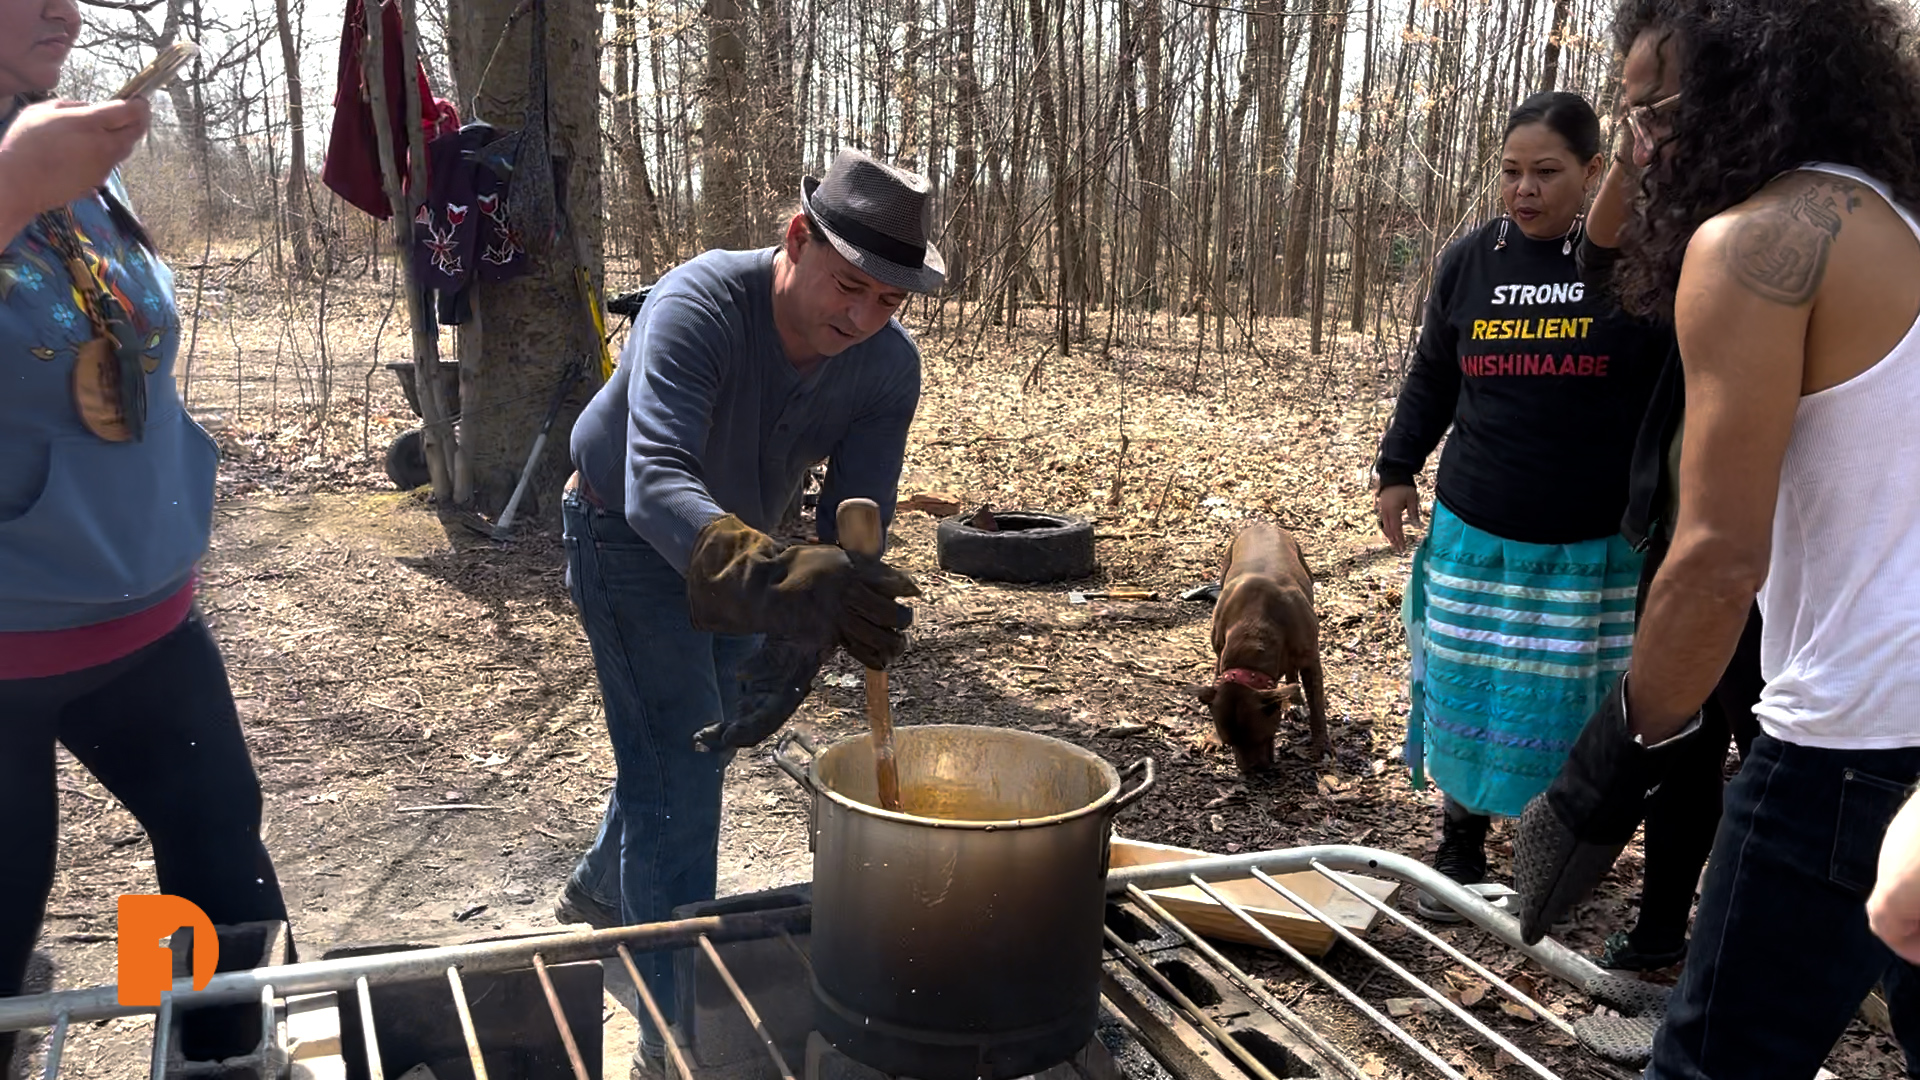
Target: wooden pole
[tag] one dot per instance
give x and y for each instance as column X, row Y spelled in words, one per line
column 426, row 337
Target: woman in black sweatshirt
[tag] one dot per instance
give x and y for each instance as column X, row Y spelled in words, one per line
column 1520, row 607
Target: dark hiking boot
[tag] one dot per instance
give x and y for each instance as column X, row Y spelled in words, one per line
column 576, row 905
column 1462, row 857
column 1620, row 953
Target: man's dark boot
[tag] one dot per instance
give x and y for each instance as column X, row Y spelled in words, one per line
column 1462, row 857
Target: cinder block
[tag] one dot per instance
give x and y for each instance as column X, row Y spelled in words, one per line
column 236, row 1041
column 770, row 972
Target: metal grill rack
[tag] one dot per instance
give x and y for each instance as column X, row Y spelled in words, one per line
column 549, row 957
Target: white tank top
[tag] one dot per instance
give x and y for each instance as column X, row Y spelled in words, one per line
column 1841, row 646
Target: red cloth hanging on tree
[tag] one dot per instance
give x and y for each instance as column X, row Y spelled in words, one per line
column 352, row 166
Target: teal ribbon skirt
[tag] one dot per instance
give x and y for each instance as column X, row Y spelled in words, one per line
column 1513, row 645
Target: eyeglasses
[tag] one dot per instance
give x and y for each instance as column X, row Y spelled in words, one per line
column 1640, row 116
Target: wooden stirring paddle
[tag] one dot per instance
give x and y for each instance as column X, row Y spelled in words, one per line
column 859, row 522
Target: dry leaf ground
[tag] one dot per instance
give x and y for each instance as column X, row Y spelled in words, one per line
column 380, row 665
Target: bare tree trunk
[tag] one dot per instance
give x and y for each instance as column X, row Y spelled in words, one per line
column 1152, row 165
column 1043, row 79
column 1366, row 186
column 909, row 153
column 966, row 155
column 297, row 146
column 649, row 246
column 1013, row 201
column 1519, row 53
column 1550, row 67
column 804, row 98
column 187, row 107
column 723, row 176
column 1085, row 230
column 1203, row 173
column 782, row 128
column 1232, row 152
column 1306, row 170
column 1330, row 122
column 1268, row 193
column 669, row 233
column 534, row 326
column 1429, row 205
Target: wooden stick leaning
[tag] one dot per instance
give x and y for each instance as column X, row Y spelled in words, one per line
column 859, row 522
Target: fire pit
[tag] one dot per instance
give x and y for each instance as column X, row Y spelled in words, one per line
column 1172, row 1006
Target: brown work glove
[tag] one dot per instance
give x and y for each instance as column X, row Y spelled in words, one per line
column 773, row 683
column 740, row 581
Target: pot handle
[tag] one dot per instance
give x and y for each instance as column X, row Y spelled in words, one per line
column 793, row 768
column 1127, row 798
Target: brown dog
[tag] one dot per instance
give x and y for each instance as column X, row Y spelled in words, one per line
column 1266, row 640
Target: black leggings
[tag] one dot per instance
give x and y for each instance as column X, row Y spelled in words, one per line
column 1684, row 813
column 159, row 729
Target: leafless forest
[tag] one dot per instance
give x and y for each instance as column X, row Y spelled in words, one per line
column 1107, row 170
column 1190, row 240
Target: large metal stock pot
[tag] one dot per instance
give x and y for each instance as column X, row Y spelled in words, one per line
column 960, row 938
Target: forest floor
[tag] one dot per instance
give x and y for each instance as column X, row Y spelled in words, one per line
column 384, row 662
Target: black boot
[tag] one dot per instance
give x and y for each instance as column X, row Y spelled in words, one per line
column 1462, row 857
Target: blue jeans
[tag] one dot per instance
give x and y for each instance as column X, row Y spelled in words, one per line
column 1781, row 954
column 661, row 681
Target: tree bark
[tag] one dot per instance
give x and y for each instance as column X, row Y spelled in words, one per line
column 1366, row 186
column 723, row 176
column 296, row 219
column 782, row 128
column 534, row 325
column 1202, row 172
column 1330, row 126
column 962, row 195
column 1306, row 168
column 1550, row 66
column 1063, row 246
column 1152, row 165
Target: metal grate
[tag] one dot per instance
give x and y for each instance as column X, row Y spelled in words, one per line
column 60, row 1010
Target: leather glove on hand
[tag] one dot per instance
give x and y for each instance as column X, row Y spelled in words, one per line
column 1571, row 833
column 773, row 683
column 740, row 581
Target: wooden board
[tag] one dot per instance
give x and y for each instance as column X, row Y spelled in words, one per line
column 1208, row 919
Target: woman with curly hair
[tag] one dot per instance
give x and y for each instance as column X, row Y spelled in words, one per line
column 1778, row 224
column 1519, row 607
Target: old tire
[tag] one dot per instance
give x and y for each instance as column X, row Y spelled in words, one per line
column 1030, row 547
column 407, row 460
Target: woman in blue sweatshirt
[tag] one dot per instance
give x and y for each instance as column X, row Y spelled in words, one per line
column 106, row 499
column 1520, row 608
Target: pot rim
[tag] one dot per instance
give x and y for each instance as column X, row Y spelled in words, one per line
column 1111, row 799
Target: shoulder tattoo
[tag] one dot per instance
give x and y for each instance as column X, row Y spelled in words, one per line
column 1780, row 249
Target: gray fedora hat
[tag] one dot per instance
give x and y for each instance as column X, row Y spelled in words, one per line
column 879, row 218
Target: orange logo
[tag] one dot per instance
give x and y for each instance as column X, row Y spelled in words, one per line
column 146, row 969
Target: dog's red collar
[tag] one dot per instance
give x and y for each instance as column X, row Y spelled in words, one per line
column 1259, row 680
